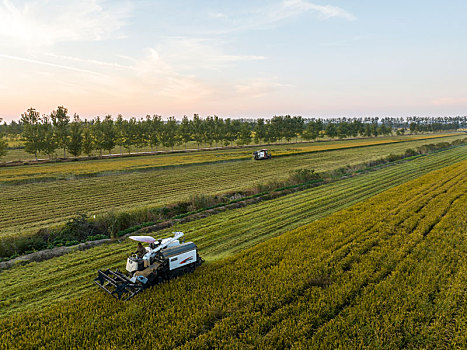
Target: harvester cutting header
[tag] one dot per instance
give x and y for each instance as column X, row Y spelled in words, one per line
column 161, row 260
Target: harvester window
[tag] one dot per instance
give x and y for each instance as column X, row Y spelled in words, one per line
column 140, row 251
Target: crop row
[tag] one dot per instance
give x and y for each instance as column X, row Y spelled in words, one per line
column 423, row 301
column 69, row 169
column 454, row 156
column 30, row 207
column 295, row 290
column 217, row 236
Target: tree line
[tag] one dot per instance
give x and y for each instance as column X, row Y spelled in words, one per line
column 47, row 134
column 3, row 143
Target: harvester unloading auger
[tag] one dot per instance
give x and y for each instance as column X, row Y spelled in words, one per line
column 162, row 260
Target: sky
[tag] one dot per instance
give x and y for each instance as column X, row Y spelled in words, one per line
column 239, row 59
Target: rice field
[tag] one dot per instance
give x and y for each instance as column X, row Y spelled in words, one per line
column 19, row 154
column 72, row 169
column 218, row 236
column 28, row 207
column 387, row 272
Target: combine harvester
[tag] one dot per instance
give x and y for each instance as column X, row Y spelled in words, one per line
column 262, row 154
column 163, row 259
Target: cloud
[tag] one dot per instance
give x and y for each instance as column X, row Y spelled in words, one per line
column 294, row 7
column 271, row 15
column 38, row 23
column 87, row 61
column 237, row 58
column 193, row 54
column 217, row 15
column 153, row 76
column 171, row 71
column 49, row 64
column 259, row 87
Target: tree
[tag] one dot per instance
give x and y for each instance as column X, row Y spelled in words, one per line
column 98, row 135
column 357, row 127
column 374, row 129
column 271, row 132
column 130, row 134
column 227, row 130
column 119, row 132
column 312, row 130
column 260, row 130
column 209, row 130
column 219, row 129
column 234, row 133
column 14, row 129
column 156, row 126
column 88, row 141
column 109, row 136
column 287, row 127
column 61, row 128
column 75, row 146
column 197, row 129
column 184, row 130
column 3, row 144
column 146, row 126
column 384, row 130
column 48, row 140
column 31, row 124
column 298, row 126
column 331, row 130
column 367, row 131
column 3, row 147
column 343, row 130
column 276, row 128
column 169, row 135
column 141, row 134
column 245, row 134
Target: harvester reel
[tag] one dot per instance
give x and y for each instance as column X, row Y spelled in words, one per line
column 117, row 284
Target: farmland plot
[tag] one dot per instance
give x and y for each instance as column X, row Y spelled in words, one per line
column 235, row 153
column 320, row 284
column 218, row 236
column 28, row 207
column 72, row 170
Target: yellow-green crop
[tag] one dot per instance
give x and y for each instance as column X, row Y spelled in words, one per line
column 368, row 276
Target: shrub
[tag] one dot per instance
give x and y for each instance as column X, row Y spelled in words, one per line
column 299, row 176
column 442, row 145
column 393, row 157
column 200, row 201
column 77, row 228
column 424, row 149
column 410, row 152
column 10, row 246
column 459, row 142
